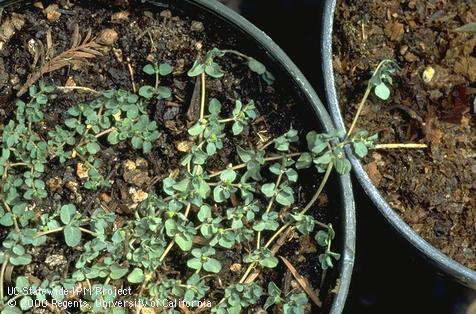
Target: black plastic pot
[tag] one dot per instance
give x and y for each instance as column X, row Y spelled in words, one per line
column 447, row 265
column 255, row 42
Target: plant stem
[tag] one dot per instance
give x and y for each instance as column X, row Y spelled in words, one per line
column 226, row 120
column 2, row 274
column 266, row 145
column 87, row 231
column 243, row 165
column 398, row 146
column 202, row 98
column 49, row 232
column 156, row 80
column 237, row 53
column 270, row 205
column 14, row 217
column 187, row 209
column 105, row 132
column 200, row 137
column 247, row 272
column 359, row 109
column 364, row 99
column 59, row 229
column 167, row 250
column 288, row 224
column 275, row 235
column 86, row 89
column 319, row 189
column 18, row 164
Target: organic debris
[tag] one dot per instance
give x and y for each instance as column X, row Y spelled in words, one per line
column 81, row 50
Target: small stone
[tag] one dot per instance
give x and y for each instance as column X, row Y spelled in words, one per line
column 236, row 267
column 53, row 16
column 171, row 113
column 137, row 195
column 118, row 54
column 135, row 172
column 141, row 163
column 15, row 80
column 82, row 170
column 184, row 146
column 72, row 186
column 32, row 47
column 54, row 184
column 166, row 13
column 106, row 198
column 129, row 165
column 294, row 284
column 150, row 57
column 21, row 71
column 197, row 26
column 410, row 57
column 107, row 37
column 70, row 82
column 119, row 17
column 52, row 13
column 55, row 260
column 403, row 49
column 395, row 31
column 10, row 26
column 428, row 74
column 38, row 5
column 137, row 177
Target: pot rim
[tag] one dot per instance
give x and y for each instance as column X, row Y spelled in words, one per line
column 452, row 268
column 276, row 53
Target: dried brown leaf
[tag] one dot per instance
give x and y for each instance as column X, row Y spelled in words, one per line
column 193, row 112
column 303, row 282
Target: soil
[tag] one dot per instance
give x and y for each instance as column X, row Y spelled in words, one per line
column 144, row 35
column 432, row 189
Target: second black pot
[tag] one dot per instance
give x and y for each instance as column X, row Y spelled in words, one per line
column 442, row 262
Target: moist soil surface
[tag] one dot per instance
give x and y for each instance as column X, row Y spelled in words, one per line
column 432, row 102
column 144, row 34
